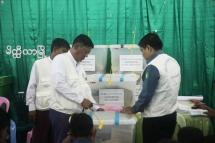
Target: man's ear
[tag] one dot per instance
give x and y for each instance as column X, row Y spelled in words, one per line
column 148, row 47
column 54, row 50
column 75, row 46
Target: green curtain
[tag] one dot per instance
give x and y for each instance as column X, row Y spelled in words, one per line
column 187, row 28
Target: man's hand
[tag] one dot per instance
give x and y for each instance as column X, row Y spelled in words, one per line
column 211, row 113
column 201, row 105
column 127, row 110
column 32, row 116
column 86, row 104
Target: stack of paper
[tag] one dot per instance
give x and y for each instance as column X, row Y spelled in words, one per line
column 182, row 108
column 185, row 105
column 188, row 98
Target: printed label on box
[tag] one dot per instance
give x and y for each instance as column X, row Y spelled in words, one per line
column 131, row 63
column 89, row 63
column 111, row 96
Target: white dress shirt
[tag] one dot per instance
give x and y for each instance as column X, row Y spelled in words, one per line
column 69, row 83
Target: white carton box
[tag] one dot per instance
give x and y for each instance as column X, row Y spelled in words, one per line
column 118, row 127
column 127, row 82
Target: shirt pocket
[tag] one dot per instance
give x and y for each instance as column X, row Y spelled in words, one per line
column 45, row 83
column 44, row 88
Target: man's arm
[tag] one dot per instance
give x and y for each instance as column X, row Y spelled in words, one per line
column 31, row 93
column 150, row 81
column 90, row 96
column 201, row 105
column 31, row 89
column 62, row 86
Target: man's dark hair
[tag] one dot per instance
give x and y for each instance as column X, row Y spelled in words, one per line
column 59, row 43
column 81, row 125
column 4, row 119
column 190, row 135
column 83, row 40
column 151, row 39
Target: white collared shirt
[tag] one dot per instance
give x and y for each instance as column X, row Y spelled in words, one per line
column 61, row 84
column 33, row 84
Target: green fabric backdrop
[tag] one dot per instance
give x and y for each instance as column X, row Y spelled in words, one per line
column 187, row 28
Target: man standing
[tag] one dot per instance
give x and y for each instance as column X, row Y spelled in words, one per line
column 157, row 100
column 39, row 91
column 72, row 93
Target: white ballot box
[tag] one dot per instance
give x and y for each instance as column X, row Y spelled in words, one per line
column 127, row 58
column 117, row 127
column 125, row 82
column 96, row 62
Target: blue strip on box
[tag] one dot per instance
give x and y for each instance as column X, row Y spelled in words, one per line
column 101, row 77
column 121, row 77
column 116, row 119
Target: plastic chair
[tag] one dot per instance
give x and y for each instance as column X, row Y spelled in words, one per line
column 29, row 136
column 5, row 101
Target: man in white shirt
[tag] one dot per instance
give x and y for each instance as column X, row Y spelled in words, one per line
column 39, row 91
column 71, row 91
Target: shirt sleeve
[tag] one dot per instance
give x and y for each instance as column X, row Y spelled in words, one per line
column 84, row 75
column 150, row 81
column 31, row 89
column 60, row 83
column 95, row 107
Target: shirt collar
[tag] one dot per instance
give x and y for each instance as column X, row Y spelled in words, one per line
column 154, row 56
column 50, row 59
column 72, row 58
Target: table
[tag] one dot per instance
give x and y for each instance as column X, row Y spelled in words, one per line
column 183, row 120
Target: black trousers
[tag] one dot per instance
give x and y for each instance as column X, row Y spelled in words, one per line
column 158, row 128
column 60, row 125
column 42, row 128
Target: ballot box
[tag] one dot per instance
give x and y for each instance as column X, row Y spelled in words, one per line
column 114, row 127
column 125, row 57
column 96, row 62
column 125, row 82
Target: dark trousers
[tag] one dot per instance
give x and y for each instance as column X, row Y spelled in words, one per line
column 60, row 125
column 158, row 128
column 42, row 128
